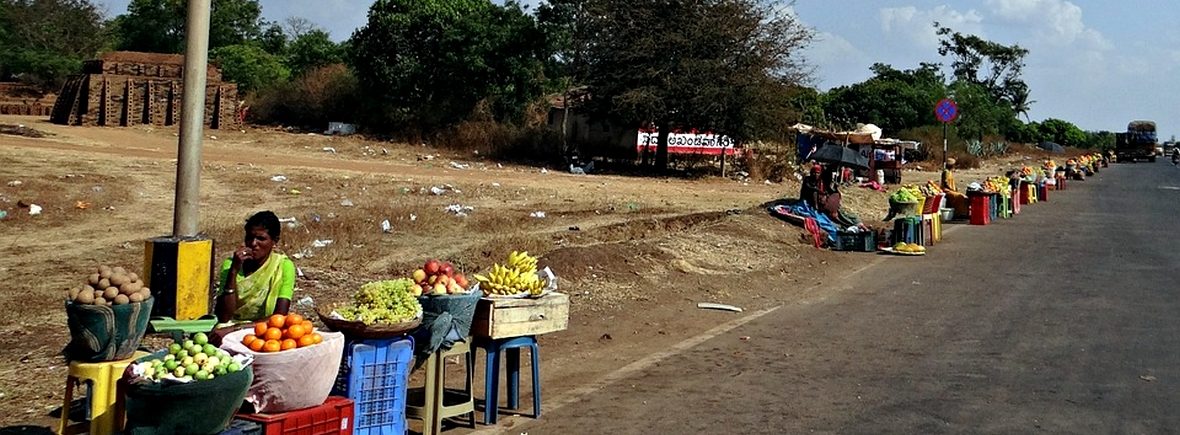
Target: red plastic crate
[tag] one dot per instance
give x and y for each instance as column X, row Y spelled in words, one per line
column 334, row 417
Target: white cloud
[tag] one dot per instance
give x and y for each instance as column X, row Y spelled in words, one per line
column 1055, row 22
column 917, row 24
column 828, row 48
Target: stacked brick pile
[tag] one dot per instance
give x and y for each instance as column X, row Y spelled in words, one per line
column 19, row 99
column 129, row 88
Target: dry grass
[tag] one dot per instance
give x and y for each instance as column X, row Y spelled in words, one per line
column 67, row 194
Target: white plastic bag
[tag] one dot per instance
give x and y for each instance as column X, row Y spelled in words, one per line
column 292, row 379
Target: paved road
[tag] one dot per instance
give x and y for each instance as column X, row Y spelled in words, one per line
column 1063, row 320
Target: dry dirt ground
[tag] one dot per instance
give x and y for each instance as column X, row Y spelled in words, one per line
column 635, row 254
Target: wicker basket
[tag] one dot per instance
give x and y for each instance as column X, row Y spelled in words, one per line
column 353, row 329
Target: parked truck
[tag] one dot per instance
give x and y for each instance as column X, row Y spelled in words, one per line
column 1139, row 142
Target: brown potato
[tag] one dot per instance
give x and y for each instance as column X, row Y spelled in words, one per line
column 147, row 292
column 110, row 293
column 103, row 283
column 122, row 300
column 100, row 301
column 136, row 297
column 99, row 293
column 73, row 293
column 131, row 287
column 118, row 279
column 93, row 279
column 88, row 288
column 118, row 270
column 104, row 272
column 133, row 277
column 85, row 298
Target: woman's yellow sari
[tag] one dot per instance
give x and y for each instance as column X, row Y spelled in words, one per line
column 258, row 292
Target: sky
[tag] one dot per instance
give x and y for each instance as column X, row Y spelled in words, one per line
column 1096, row 63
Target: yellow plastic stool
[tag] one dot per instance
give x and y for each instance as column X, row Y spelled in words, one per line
column 437, row 403
column 105, row 399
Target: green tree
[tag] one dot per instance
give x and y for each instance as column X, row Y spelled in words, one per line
column 1062, row 132
column 560, row 21
column 892, row 99
column 1099, row 140
column 1021, row 100
column 429, row 63
column 996, row 67
column 155, row 26
column 44, row 41
column 311, row 50
column 693, row 64
column 251, row 67
column 158, row 25
column 273, row 39
column 980, row 114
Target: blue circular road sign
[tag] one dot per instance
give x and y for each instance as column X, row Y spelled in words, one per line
column 946, row 111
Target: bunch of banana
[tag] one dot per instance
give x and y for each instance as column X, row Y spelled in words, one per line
column 507, row 281
column 522, row 262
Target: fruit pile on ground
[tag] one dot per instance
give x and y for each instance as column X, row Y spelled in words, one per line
column 437, row 278
column 110, row 286
column 279, row 333
column 193, row 360
column 912, row 248
column 383, row 302
column 517, row 276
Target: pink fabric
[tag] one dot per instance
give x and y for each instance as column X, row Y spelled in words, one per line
column 816, row 234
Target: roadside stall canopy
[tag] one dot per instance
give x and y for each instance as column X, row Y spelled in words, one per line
column 865, row 134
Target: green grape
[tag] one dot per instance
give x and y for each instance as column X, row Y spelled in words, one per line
column 387, row 301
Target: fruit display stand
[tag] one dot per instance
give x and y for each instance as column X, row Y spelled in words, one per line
column 203, row 406
column 498, row 318
column 507, row 325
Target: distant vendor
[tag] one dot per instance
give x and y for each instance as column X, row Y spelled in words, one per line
column 263, row 281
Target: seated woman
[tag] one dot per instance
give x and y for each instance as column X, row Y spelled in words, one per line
column 256, row 281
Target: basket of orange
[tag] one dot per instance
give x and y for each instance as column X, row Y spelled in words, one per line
column 286, row 348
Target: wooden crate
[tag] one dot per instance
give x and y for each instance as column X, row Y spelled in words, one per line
column 505, row 318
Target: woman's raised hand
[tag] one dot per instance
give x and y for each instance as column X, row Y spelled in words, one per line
column 241, row 255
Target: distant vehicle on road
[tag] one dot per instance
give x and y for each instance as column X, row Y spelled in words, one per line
column 1168, row 147
column 1139, row 142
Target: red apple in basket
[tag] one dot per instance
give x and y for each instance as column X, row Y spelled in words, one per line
column 432, row 267
column 439, row 290
column 432, row 280
column 454, row 288
column 444, row 280
column 447, row 269
column 461, row 280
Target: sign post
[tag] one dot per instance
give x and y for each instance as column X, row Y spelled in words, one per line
column 946, row 111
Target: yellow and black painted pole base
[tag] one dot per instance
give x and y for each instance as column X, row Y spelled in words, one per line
column 180, row 273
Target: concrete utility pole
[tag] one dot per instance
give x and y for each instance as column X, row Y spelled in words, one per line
column 188, row 160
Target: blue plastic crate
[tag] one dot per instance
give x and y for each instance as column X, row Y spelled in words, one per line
column 374, row 374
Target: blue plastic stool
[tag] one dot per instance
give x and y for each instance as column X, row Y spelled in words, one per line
column 511, row 349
